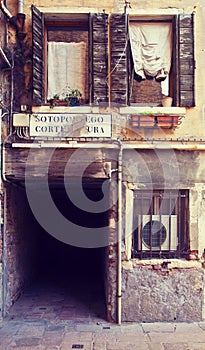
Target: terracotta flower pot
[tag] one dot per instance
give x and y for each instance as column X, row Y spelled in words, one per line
column 167, row 121
column 143, row 121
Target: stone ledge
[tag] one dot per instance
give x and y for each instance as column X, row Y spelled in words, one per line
column 171, row 263
column 143, row 110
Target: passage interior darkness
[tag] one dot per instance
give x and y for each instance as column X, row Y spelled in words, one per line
column 47, row 264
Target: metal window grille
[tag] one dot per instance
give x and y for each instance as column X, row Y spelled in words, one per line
column 160, row 224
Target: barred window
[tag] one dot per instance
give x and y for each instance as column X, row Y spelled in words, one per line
column 160, row 224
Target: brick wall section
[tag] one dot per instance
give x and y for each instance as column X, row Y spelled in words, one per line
column 147, row 91
column 20, row 245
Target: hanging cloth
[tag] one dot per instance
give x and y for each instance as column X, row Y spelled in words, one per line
column 151, row 47
column 66, row 67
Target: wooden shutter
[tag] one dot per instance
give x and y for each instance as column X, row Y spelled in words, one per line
column 38, row 56
column 118, row 34
column 186, row 60
column 99, row 54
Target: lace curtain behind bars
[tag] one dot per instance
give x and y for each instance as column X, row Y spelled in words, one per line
column 66, row 67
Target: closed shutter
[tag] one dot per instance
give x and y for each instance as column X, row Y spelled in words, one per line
column 186, row 60
column 38, row 56
column 118, row 34
column 99, row 54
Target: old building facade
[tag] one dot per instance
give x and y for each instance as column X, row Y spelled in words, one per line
column 103, row 150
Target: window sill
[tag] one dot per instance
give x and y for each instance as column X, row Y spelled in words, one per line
column 62, row 109
column 155, row 111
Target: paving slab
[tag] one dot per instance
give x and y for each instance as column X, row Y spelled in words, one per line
column 128, row 328
column 88, row 328
column 132, row 337
column 5, row 341
column 158, row 327
column 84, row 336
column 40, row 347
column 201, row 325
column 155, row 346
column 181, row 337
column 99, row 337
column 30, row 330
column 188, row 327
column 176, row 346
column 189, row 346
column 29, row 341
column 99, row 346
column 68, row 345
column 194, row 346
column 127, row 345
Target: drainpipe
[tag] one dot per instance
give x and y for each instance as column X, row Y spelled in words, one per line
column 17, row 21
column 5, row 11
column 119, row 232
column 12, row 19
column 21, row 6
column 119, row 244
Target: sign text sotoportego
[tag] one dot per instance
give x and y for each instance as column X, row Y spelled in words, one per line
column 70, row 125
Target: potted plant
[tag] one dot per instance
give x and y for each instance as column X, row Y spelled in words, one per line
column 73, row 97
column 54, row 100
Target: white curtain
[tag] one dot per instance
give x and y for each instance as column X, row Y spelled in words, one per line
column 66, row 67
column 151, row 46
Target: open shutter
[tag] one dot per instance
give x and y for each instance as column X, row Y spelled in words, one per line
column 186, row 60
column 38, row 56
column 118, row 33
column 99, row 47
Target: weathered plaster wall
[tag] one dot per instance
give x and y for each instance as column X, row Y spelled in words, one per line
column 153, row 293
column 194, row 121
column 164, row 168
column 154, row 290
column 146, row 287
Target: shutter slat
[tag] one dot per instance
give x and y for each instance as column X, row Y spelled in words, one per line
column 38, row 56
column 118, row 58
column 100, row 57
column 186, row 60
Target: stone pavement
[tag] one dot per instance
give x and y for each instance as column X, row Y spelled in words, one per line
column 65, row 335
column 48, row 317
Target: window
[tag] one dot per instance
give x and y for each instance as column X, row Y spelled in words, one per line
column 161, row 224
column 69, row 50
column 175, row 77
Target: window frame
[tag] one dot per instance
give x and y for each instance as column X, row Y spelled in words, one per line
column 183, row 57
column 98, row 59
